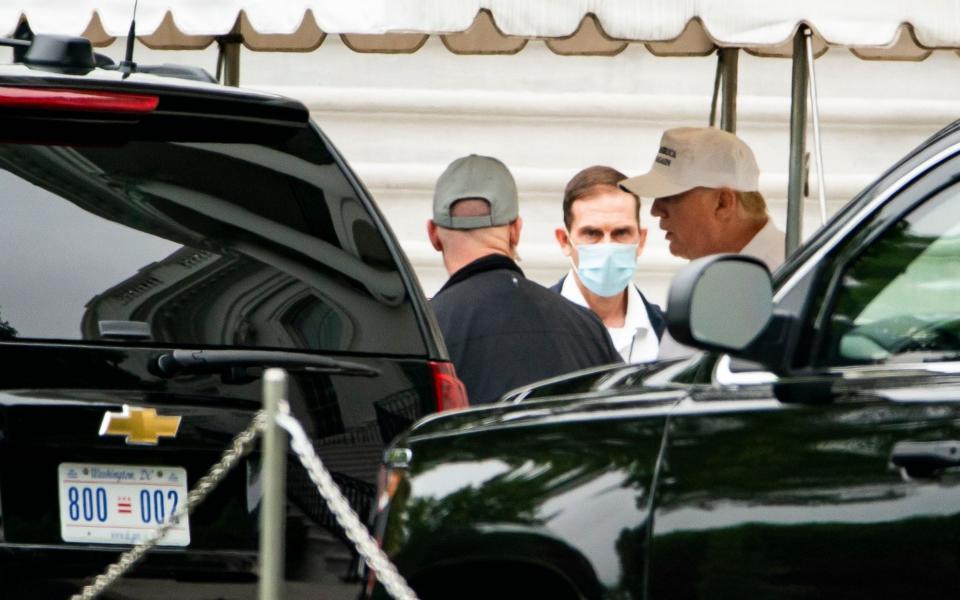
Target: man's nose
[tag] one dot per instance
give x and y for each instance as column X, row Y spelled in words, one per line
column 656, row 209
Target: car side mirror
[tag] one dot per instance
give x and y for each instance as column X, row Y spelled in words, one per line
column 720, row 302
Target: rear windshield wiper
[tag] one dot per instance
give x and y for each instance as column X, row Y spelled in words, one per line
column 179, row 362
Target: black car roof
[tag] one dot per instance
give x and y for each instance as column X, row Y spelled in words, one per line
column 929, row 148
column 14, row 75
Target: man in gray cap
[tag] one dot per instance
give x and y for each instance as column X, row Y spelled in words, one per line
column 502, row 331
column 705, row 182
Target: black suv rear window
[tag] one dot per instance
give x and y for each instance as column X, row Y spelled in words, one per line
column 203, row 244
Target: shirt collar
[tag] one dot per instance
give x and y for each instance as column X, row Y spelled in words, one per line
column 636, row 311
column 767, row 245
column 636, row 316
column 490, row 262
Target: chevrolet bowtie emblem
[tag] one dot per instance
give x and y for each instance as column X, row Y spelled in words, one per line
column 139, row 425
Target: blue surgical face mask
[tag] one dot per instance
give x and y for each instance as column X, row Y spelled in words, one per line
column 606, row 269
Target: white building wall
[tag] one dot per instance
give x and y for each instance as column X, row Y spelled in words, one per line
column 400, row 119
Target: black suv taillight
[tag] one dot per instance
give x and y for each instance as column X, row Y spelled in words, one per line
column 450, row 392
column 76, row 100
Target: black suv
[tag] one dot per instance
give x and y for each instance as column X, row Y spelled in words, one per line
column 813, row 451
column 162, row 240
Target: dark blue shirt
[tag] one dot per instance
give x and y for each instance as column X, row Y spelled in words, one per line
column 504, row 331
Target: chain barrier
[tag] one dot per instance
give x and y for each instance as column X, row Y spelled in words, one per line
column 238, row 448
column 366, row 546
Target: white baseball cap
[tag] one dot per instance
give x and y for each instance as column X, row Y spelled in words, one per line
column 692, row 157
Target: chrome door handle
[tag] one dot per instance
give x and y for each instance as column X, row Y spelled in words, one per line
column 926, row 459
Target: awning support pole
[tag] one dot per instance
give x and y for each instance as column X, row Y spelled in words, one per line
column 815, row 113
column 717, row 79
column 798, row 127
column 229, row 59
column 730, row 58
column 273, row 473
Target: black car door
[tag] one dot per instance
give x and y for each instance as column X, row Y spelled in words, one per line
column 841, row 480
column 232, row 251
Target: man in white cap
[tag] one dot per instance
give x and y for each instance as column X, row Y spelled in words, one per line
column 705, row 182
column 501, row 330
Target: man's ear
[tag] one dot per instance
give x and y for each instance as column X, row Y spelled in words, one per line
column 642, row 241
column 515, row 229
column 432, row 234
column 725, row 203
column 563, row 240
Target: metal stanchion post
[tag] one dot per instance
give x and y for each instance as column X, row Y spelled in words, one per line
column 273, row 507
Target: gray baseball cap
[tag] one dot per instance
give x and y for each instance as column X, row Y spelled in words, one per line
column 480, row 177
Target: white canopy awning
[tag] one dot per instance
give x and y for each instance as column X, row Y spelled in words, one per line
column 872, row 29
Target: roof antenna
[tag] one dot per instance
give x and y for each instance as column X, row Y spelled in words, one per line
column 128, row 66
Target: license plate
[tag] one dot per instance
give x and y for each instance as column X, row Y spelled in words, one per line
column 121, row 504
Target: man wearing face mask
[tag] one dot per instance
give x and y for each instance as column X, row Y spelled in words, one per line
column 502, row 331
column 603, row 238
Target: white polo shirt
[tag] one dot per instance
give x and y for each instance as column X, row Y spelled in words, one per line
column 768, row 245
column 636, row 341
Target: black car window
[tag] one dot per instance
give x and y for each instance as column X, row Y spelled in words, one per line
column 899, row 300
column 207, row 243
